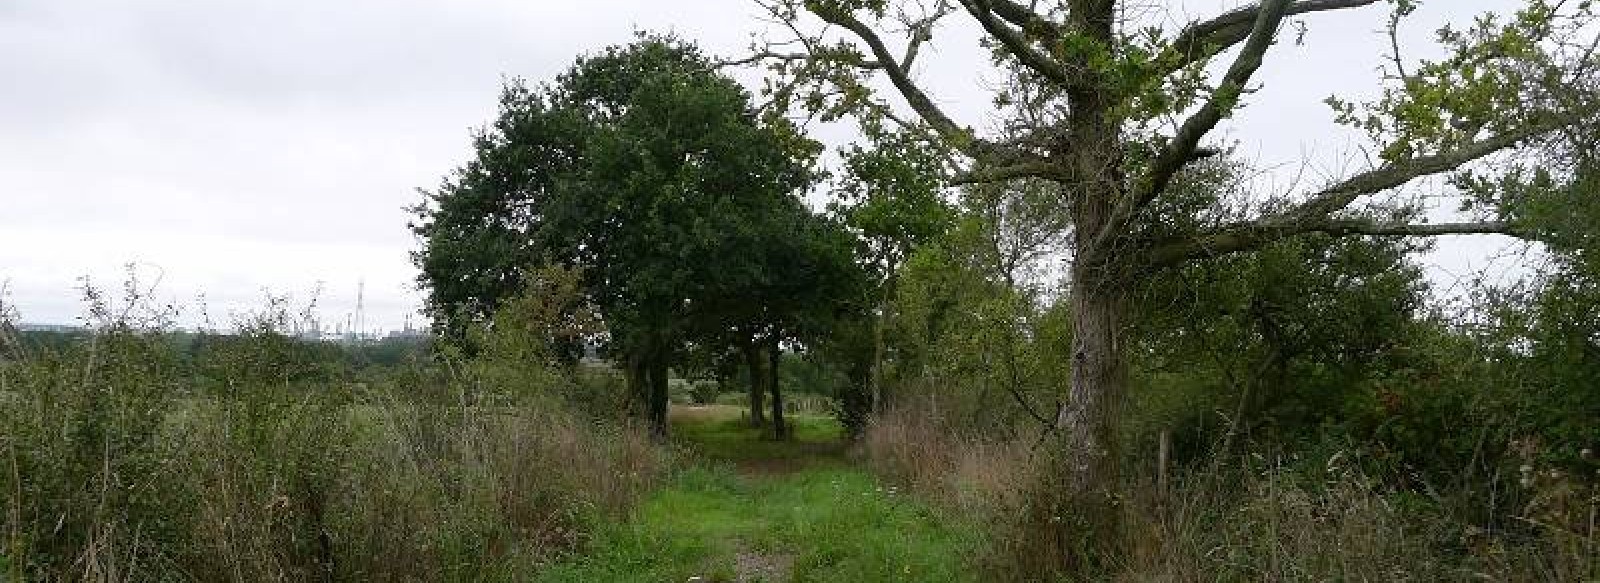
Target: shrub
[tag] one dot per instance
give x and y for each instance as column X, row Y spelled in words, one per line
column 132, row 453
column 704, row 392
column 1306, row 516
column 1276, row 521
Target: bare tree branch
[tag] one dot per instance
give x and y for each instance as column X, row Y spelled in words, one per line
column 1316, row 213
column 769, row 55
column 1027, row 19
column 957, row 136
column 1419, row 229
column 1205, row 39
column 1032, row 167
column 1016, row 44
column 1184, row 143
column 1340, row 195
column 1253, row 236
column 1394, row 46
column 1022, row 401
column 920, row 31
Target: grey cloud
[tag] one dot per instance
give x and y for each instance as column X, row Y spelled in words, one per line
column 249, row 144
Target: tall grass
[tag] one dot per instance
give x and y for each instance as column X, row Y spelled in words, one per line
column 967, row 472
column 132, row 454
column 1268, row 521
column 1257, row 519
column 916, row 445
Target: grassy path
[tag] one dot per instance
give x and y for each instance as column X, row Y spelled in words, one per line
column 749, row 509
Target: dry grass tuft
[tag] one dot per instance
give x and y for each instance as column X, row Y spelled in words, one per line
column 1251, row 521
column 915, row 445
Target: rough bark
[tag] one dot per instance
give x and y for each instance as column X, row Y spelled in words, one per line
column 1086, row 509
column 1086, row 475
column 752, row 360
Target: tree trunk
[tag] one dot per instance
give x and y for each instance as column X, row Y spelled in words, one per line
column 855, row 400
column 1087, row 512
column 780, row 429
column 658, row 392
column 877, row 358
column 1163, row 455
column 878, row 322
column 637, row 374
column 752, row 360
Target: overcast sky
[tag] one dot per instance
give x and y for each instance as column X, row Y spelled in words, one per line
column 234, row 147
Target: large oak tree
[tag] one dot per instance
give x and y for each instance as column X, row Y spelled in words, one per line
column 1114, row 109
column 653, row 176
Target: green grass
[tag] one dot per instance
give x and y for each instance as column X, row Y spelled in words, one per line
column 809, row 511
column 718, row 433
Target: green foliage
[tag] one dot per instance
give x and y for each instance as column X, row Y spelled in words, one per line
column 1281, row 339
column 1558, row 205
column 703, row 392
column 969, row 314
column 674, row 169
column 892, row 196
column 809, row 374
column 1499, row 75
column 650, row 173
column 389, row 353
column 892, row 201
column 529, row 350
column 1544, row 346
column 478, row 228
column 1251, row 329
column 847, row 352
